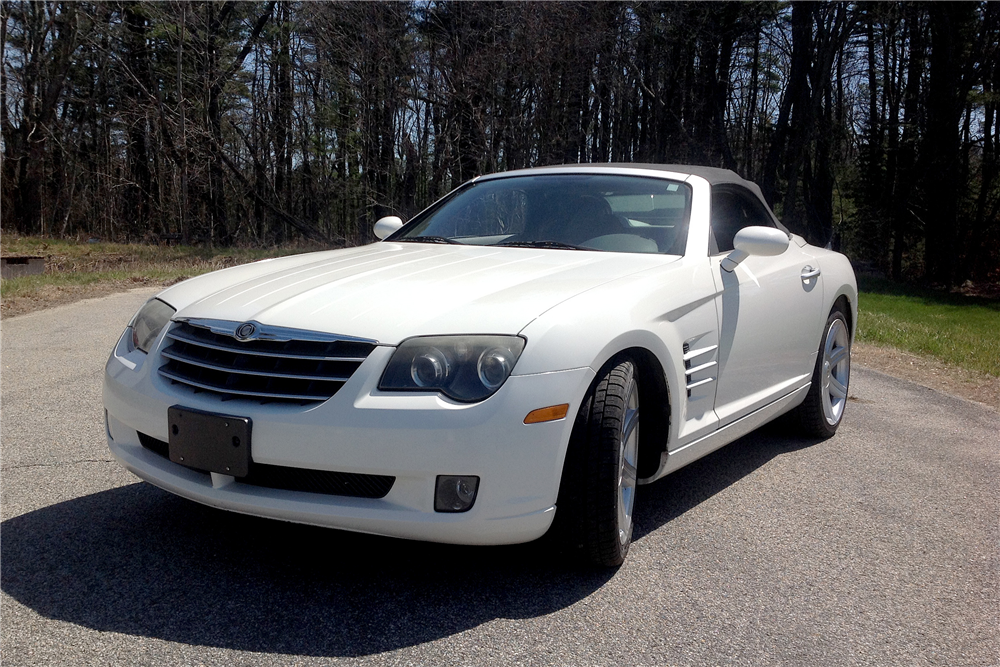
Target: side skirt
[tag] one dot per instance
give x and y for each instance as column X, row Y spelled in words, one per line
column 671, row 461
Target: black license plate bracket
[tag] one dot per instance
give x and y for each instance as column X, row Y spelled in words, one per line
column 209, row 441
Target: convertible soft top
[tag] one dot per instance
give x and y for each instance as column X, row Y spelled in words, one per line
column 714, row 175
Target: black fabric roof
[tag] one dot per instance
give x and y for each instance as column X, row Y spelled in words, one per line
column 713, row 175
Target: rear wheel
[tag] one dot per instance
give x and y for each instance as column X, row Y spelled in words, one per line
column 820, row 414
column 601, row 468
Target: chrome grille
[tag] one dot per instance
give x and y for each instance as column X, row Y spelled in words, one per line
column 277, row 364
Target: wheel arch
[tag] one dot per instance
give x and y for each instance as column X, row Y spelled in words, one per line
column 654, row 423
column 845, row 305
column 654, row 405
column 840, row 287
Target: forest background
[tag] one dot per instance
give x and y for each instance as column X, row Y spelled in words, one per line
column 871, row 126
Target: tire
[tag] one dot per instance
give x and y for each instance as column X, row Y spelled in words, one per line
column 822, row 411
column 597, row 495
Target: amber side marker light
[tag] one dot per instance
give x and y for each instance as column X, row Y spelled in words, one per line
column 549, row 414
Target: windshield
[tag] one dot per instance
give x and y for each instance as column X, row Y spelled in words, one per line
column 561, row 211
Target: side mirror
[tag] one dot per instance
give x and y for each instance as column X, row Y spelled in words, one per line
column 387, row 225
column 763, row 241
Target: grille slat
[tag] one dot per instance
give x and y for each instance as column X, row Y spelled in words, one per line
column 173, row 355
column 237, row 392
column 329, row 482
column 177, row 334
column 319, row 481
column 300, row 369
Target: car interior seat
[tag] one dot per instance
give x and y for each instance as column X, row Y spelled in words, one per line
column 591, row 217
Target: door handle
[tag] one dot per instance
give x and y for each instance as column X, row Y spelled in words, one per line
column 808, row 273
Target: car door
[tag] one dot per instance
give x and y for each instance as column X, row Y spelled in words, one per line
column 769, row 311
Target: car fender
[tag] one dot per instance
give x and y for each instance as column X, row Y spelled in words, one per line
column 839, row 281
column 656, row 311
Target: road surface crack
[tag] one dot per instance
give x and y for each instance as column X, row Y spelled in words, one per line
column 21, row 466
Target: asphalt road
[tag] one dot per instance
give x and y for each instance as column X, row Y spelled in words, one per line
column 880, row 546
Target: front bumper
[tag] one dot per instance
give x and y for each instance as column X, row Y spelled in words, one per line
column 413, row 437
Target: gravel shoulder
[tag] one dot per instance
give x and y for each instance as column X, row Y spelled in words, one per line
column 930, row 372
column 49, row 296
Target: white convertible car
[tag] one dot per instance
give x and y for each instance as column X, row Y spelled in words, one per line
column 526, row 350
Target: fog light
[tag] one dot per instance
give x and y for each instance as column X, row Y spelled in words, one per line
column 455, row 493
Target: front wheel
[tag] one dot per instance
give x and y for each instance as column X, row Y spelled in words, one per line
column 602, row 468
column 820, row 414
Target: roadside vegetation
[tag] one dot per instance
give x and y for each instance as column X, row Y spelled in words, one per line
column 80, row 269
column 254, row 123
column 957, row 329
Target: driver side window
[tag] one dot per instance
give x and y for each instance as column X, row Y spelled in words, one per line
column 732, row 211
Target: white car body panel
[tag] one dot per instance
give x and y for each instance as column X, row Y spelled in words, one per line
column 765, row 354
column 388, row 291
column 734, row 350
column 658, row 311
column 363, row 430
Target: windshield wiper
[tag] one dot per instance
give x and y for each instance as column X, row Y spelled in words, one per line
column 431, row 239
column 543, row 244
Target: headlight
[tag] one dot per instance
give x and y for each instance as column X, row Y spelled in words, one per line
column 148, row 323
column 465, row 368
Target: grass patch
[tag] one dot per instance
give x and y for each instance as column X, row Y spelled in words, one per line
column 960, row 330
column 75, row 269
column 75, row 257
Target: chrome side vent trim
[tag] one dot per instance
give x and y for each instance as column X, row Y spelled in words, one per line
column 706, row 357
column 690, row 354
column 691, row 371
column 699, row 383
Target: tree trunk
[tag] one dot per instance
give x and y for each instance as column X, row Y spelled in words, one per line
column 950, row 25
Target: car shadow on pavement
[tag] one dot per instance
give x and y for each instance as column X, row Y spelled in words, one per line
column 662, row 501
column 139, row 561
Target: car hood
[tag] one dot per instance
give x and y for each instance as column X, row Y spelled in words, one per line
column 390, row 291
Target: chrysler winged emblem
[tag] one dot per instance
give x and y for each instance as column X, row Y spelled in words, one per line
column 246, row 331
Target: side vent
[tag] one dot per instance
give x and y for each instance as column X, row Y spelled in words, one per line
column 700, row 366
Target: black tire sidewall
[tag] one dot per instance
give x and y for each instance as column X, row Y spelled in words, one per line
column 812, row 416
column 603, row 461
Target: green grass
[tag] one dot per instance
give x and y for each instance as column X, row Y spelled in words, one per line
column 957, row 329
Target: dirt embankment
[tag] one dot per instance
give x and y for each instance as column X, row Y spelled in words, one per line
column 930, row 372
column 47, row 296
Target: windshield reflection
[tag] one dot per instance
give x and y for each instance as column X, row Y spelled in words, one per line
column 561, row 211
